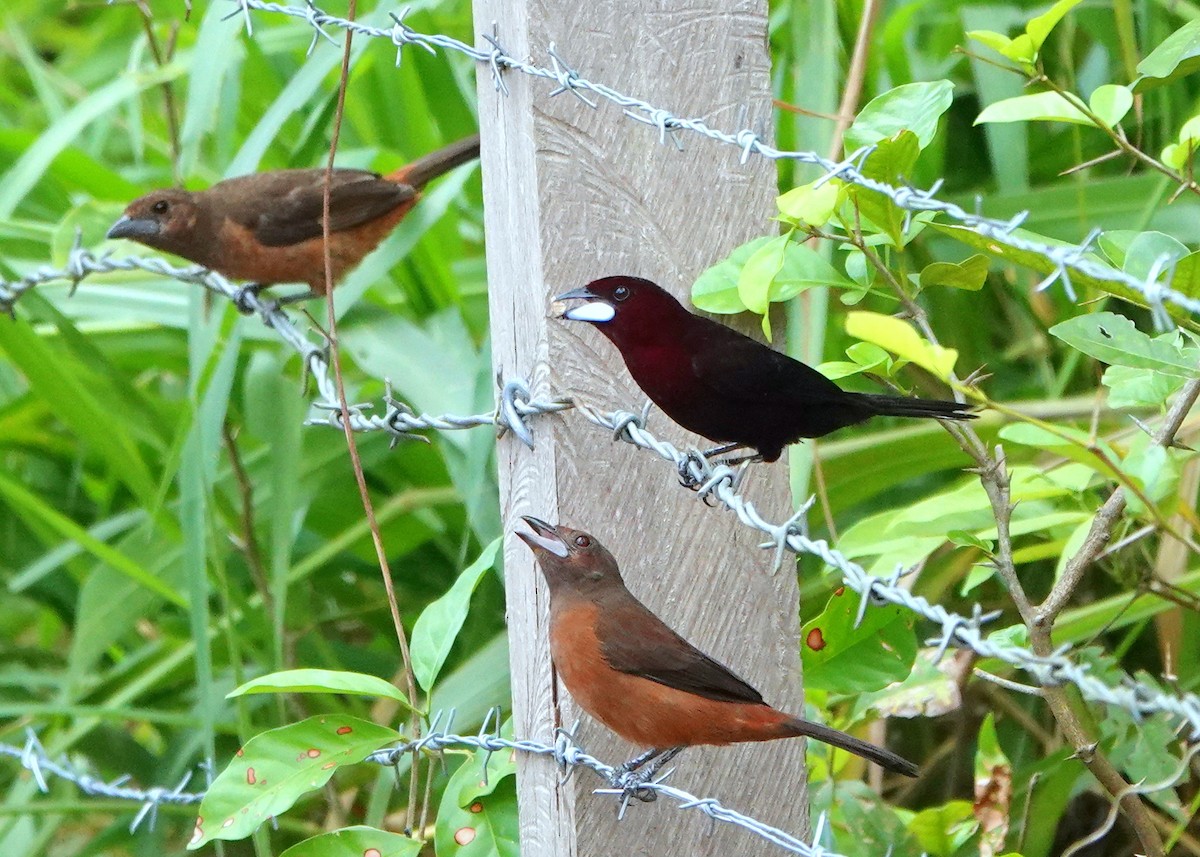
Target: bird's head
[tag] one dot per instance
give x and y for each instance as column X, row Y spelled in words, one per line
column 570, row 557
column 163, row 219
column 622, row 307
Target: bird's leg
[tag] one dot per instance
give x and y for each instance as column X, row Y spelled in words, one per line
column 634, row 763
column 632, row 781
column 721, row 450
column 661, row 762
column 297, row 298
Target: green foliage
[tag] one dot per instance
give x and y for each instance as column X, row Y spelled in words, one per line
column 172, row 534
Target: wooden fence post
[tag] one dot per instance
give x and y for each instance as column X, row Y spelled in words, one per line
column 571, row 194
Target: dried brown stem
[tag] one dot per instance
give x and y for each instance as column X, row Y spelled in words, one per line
column 351, row 444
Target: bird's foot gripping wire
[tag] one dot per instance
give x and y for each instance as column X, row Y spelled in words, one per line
column 692, row 461
column 633, row 784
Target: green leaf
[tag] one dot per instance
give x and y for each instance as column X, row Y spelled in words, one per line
column 478, row 813
column 916, row 107
column 760, row 270
column 357, row 841
column 1113, row 339
column 942, row 830
column 996, row 41
column 1068, row 442
column 1177, row 55
column 1186, row 278
column 1147, row 250
column 901, row 339
column 1037, row 107
column 1111, row 102
column 1039, row 28
column 320, row 681
column 438, row 625
column 1139, row 388
column 717, row 290
column 276, row 767
column 841, row 658
column 810, row 204
column 892, row 162
column 930, row 690
column 969, row 274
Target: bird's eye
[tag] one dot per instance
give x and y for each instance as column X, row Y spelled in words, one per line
column 161, row 207
column 621, row 292
column 582, row 541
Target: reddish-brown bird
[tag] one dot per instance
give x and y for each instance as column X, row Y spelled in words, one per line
column 266, row 227
column 722, row 384
column 626, row 668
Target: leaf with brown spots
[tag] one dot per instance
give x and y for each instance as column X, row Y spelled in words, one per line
column 478, row 813
column 275, row 768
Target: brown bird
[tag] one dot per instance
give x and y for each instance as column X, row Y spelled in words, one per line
column 266, row 227
column 626, row 668
column 722, row 384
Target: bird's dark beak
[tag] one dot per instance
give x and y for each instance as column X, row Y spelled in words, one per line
column 544, row 537
column 583, row 293
column 595, row 310
column 135, row 228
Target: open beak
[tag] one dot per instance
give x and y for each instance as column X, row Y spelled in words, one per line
column 544, row 537
column 595, row 309
column 134, row 228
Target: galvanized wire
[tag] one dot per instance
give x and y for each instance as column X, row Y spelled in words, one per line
column 514, row 401
column 516, row 405
column 33, row 758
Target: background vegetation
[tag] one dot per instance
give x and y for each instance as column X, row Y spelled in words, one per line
column 169, row 529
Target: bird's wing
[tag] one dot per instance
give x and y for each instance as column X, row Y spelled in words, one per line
column 643, row 645
column 290, row 203
column 743, row 370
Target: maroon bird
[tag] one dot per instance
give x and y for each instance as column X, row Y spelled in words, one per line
column 626, row 668
column 722, row 384
column 266, row 227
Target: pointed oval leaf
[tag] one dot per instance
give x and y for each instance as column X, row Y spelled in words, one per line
column 916, row 107
column 1038, row 107
column 901, row 339
column 277, row 767
column 320, row 681
column 1114, row 340
column 438, row 625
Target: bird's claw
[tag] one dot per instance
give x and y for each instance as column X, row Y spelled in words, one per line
column 686, row 478
column 633, row 785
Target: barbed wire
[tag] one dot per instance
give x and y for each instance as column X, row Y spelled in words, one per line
column 516, row 405
column 565, row 751
column 33, row 758
column 1065, row 257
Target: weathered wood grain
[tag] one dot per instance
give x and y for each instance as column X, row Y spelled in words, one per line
column 572, row 194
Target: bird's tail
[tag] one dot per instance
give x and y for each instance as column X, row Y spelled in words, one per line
column 904, row 406
column 880, row 756
column 427, row 168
